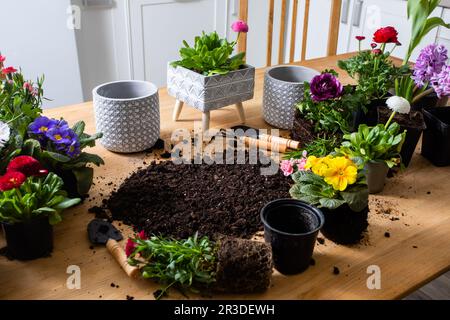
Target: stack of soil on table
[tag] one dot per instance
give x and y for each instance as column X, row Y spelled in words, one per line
column 179, row 200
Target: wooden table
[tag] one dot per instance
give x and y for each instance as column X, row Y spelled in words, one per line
column 416, row 251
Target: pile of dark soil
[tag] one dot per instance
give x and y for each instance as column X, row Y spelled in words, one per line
column 243, row 266
column 179, row 200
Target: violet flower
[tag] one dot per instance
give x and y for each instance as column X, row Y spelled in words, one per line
column 325, row 86
column 41, row 125
column 430, row 62
column 441, row 82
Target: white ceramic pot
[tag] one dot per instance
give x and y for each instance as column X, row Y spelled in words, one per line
column 127, row 113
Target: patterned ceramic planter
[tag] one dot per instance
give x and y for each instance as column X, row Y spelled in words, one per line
column 283, row 89
column 127, row 112
column 207, row 93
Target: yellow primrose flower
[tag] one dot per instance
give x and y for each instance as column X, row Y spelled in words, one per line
column 317, row 165
column 341, row 173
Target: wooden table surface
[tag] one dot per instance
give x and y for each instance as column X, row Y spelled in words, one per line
column 416, row 252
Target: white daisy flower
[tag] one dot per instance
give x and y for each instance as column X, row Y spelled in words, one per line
column 398, row 104
column 4, row 134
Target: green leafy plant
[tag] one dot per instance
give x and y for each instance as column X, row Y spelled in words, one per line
column 379, row 144
column 20, row 101
column 319, row 147
column 333, row 115
column 331, row 183
column 210, row 55
column 419, row 12
column 185, row 263
column 35, row 197
column 375, row 73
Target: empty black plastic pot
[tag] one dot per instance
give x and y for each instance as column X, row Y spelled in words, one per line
column 291, row 227
column 29, row 240
column 436, row 138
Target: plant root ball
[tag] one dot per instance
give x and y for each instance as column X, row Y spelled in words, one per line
column 243, row 266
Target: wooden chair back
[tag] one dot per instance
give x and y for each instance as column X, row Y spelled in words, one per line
column 333, row 28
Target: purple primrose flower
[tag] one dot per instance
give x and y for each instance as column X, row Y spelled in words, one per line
column 325, row 86
column 41, row 125
column 430, row 62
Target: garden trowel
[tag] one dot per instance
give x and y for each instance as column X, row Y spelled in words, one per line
column 103, row 232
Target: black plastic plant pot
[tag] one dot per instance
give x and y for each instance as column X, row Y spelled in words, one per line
column 436, row 138
column 291, row 227
column 429, row 101
column 414, row 125
column 344, row 226
column 409, row 146
column 29, row 240
column 370, row 117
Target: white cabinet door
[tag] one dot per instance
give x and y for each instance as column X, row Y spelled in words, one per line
column 381, row 13
column 158, row 27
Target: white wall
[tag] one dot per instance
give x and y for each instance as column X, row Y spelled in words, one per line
column 34, row 36
column 102, row 45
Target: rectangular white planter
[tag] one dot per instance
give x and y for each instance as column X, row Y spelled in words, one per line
column 210, row 92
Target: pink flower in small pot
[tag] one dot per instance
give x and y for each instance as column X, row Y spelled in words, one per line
column 8, row 70
column 286, row 167
column 240, row 26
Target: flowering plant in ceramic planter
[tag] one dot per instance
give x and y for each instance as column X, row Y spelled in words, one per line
column 29, row 191
column 25, row 132
column 209, row 77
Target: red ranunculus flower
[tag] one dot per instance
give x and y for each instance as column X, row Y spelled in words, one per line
column 373, row 45
column 385, row 35
column 11, row 180
column 8, row 70
column 360, row 38
column 2, row 58
column 27, row 165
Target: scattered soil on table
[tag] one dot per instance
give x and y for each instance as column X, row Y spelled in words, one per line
column 312, row 262
column 243, row 266
column 320, row 240
column 336, row 270
column 179, row 200
column 129, row 297
column 387, row 235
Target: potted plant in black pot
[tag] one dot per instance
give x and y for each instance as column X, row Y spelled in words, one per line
column 338, row 187
column 436, row 138
column 377, row 148
column 57, row 146
column 374, row 73
column 31, row 202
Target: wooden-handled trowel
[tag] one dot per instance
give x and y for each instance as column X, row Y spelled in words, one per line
column 103, row 232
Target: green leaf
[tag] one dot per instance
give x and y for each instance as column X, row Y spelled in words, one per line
column 84, row 177
column 67, row 203
column 78, row 128
column 54, row 218
column 331, row 203
column 56, row 156
column 357, row 200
